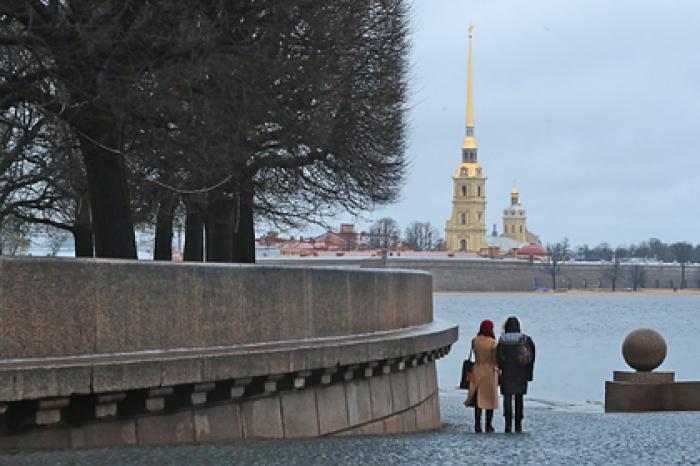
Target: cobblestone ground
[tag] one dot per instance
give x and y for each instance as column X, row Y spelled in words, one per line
column 552, row 436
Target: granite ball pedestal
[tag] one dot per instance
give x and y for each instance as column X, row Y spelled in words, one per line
column 644, row 350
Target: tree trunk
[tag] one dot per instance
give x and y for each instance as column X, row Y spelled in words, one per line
column 244, row 235
column 163, row 250
column 109, row 193
column 194, row 234
column 554, row 280
column 219, row 227
column 82, row 229
column 682, row 275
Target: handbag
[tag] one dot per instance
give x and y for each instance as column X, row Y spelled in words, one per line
column 467, row 367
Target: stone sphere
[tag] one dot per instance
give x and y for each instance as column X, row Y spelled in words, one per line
column 644, row 349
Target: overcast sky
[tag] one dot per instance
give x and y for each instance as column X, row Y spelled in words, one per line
column 591, row 106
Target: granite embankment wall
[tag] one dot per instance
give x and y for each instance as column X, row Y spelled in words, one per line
column 102, row 352
column 454, row 275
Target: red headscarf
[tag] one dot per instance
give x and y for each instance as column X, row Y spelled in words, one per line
column 486, row 329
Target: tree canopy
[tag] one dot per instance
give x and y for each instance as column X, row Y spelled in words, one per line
column 225, row 113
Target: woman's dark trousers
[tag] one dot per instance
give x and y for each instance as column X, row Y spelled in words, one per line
column 508, row 412
column 477, row 420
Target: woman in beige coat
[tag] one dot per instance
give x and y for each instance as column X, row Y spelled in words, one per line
column 483, row 383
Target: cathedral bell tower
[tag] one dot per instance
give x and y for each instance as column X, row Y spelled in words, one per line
column 466, row 229
column 515, row 219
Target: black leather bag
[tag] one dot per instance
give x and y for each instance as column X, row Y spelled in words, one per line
column 467, row 367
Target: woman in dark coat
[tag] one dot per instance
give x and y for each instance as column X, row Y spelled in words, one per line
column 516, row 358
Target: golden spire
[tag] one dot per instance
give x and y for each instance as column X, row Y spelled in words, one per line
column 470, row 91
column 469, row 139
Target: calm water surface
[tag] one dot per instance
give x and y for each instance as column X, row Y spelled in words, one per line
column 578, row 338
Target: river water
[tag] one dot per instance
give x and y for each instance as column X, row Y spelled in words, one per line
column 578, row 338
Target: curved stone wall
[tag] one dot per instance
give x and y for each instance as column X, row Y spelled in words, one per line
column 98, row 352
column 67, row 307
column 391, row 403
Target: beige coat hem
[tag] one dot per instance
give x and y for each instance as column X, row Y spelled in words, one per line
column 484, row 379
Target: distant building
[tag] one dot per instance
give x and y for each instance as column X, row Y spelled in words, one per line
column 532, row 252
column 466, row 229
column 515, row 221
column 500, row 246
column 345, row 239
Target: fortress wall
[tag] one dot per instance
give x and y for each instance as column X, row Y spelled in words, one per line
column 521, row 276
column 455, row 275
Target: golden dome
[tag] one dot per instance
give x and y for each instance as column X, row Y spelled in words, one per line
column 469, row 142
column 469, row 169
column 514, row 192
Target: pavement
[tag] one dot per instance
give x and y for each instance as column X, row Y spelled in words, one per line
column 553, row 435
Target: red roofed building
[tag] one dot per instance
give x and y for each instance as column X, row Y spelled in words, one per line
column 347, row 239
column 532, row 252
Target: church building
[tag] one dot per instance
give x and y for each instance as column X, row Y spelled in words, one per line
column 466, row 228
column 515, row 221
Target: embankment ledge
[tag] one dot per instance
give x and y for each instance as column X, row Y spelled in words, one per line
column 100, row 353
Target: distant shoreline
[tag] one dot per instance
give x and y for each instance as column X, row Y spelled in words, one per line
column 579, row 292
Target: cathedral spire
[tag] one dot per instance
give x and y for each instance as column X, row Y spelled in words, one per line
column 469, row 147
column 470, row 90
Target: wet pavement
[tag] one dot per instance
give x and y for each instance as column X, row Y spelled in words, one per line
column 554, row 434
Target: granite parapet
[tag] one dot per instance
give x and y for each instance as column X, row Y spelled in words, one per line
column 104, row 352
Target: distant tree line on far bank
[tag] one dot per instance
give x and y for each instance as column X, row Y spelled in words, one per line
column 652, row 251
column 385, row 233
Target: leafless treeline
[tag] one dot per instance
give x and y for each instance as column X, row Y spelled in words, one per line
column 633, row 257
column 115, row 113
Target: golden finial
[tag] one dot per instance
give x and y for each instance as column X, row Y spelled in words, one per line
column 470, row 28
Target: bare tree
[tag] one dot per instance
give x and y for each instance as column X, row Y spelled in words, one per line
column 289, row 111
column 14, row 236
column 42, row 180
column 683, row 252
column 421, row 236
column 637, row 276
column 55, row 239
column 384, row 234
column 79, row 61
column 300, row 113
column 613, row 271
column 557, row 253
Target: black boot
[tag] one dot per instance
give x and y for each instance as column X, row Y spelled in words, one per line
column 477, row 420
column 508, row 412
column 519, row 413
column 489, row 420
